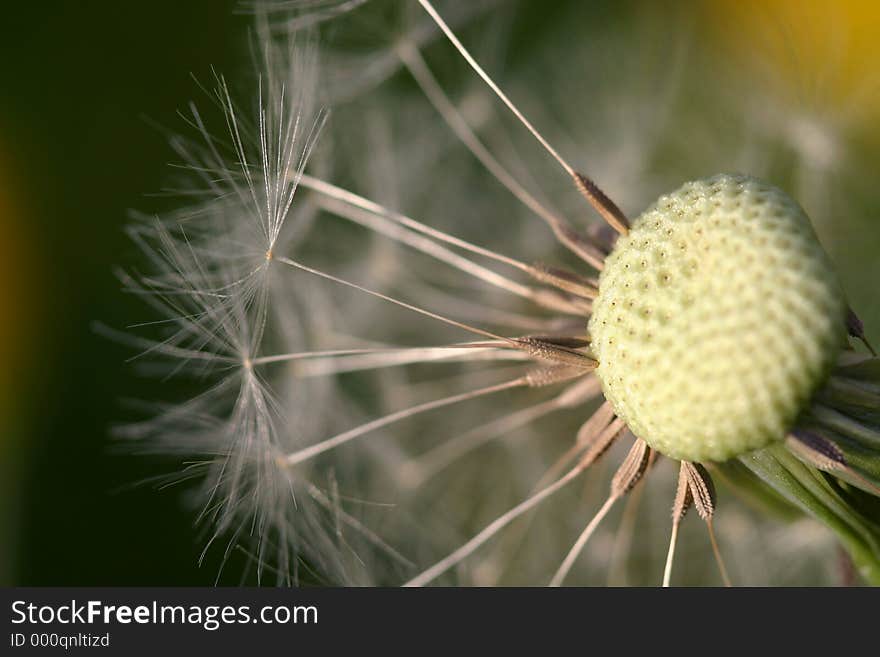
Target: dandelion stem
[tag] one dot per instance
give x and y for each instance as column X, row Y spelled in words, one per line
column 535, row 347
column 630, row 473
column 491, row 529
column 418, row 68
column 494, row 87
column 721, row 567
column 689, row 480
column 332, row 353
column 424, row 467
column 602, row 436
column 320, row 363
column 603, row 205
column 333, row 191
column 397, row 302
column 617, row 568
column 576, row 549
column 347, row 436
column 670, row 554
column 380, row 224
column 565, row 233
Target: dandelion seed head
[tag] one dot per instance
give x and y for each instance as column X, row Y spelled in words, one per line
column 718, row 317
column 331, row 433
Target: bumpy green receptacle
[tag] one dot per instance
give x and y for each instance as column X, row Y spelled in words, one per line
column 718, row 317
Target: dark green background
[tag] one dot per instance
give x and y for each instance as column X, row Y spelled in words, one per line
column 79, row 80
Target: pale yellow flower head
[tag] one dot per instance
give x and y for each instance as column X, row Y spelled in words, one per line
column 719, row 315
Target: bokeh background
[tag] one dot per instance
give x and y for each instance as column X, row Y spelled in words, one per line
column 785, row 87
column 81, row 85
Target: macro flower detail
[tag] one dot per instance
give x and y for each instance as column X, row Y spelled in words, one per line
column 718, row 317
column 714, row 323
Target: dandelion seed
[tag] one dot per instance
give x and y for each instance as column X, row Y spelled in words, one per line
column 215, row 285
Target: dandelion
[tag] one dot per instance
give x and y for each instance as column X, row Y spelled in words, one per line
column 711, row 331
column 216, row 285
